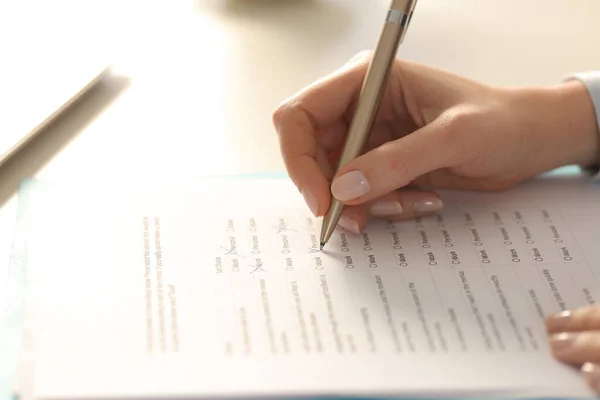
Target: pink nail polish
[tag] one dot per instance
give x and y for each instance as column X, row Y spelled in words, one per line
column 350, row 186
column 563, row 341
column 591, row 373
column 560, row 321
column 386, row 208
column 349, row 224
column 428, row 205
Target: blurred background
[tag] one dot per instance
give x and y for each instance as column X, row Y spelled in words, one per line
column 194, row 82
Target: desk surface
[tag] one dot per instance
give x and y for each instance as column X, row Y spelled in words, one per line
column 195, row 82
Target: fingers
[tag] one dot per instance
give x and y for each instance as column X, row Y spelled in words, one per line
column 395, row 164
column 353, row 220
column 575, row 335
column 591, row 373
column 583, row 319
column 396, row 206
column 575, row 339
column 577, row 347
column 318, row 108
column 404, row 204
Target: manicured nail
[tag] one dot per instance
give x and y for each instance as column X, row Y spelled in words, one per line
column 558, row 322
column 562, row 341
column 591, row 373
column 311, row 201
column 349, row 224
column 428, row 205
column 385, row 208
column 350, row 186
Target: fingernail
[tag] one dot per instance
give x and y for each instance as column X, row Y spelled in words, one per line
column 349, row 224
column 428, row 205
column 591, row 373
column 383, row 208
column 560, row 321
column 562, row 341
column 350, row 186
column 311, row 201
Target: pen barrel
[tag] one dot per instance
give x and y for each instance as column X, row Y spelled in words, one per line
column 371, row 94
column 372, row 90
column 404, row 6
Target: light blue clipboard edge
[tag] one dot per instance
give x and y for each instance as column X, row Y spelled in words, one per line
column 11, row 326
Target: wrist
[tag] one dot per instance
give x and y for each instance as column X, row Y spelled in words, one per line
column 580, row 125
column 563, row 119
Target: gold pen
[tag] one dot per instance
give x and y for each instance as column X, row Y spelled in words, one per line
column 392, row 34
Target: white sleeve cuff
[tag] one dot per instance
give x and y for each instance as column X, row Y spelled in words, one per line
column 591, row 80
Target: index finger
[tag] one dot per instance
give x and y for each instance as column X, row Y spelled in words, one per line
column 298, row 122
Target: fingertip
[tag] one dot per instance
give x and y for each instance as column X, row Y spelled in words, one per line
column 365, row 178
column 354, row 220
column 591, row 373
column 558, row 322
column 351, row 187
column 315, row 192
column 316, row 198
column 392, row 166
column 311, row 202
column 386, row 208
column 405, row 204
column 586, row 318
column 280, row 114
column 428, row 205
column 562, row 346
column 310, row 180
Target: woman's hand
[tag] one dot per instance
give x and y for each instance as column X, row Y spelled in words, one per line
column 434, row 130
column 575, row 339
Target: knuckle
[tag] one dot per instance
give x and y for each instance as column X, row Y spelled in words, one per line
column 459, row 136
column 364, row 54
column 459, row 122
column 280, row 115
column 360, row 57
column 399, row 166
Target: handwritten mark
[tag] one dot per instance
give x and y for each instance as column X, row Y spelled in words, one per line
column 283, row 227
column 231, row 252
column 256, row 268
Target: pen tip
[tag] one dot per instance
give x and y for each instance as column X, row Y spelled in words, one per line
column 322, row 245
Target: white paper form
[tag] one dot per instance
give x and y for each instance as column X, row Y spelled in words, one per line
column 219, row 288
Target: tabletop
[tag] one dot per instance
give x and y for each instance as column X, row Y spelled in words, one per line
column 194, row 82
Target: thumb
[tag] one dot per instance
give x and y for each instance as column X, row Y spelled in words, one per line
column 395, row 164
